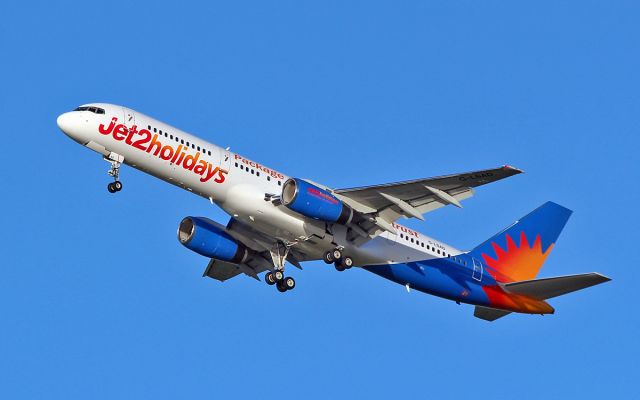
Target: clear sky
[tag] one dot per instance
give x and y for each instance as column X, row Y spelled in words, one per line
column 99, row 300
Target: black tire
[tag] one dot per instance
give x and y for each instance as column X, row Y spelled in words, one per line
column 111, row 188
column 347, row 262
column 289, row 283
column 278, row 275
column 281, row 287
column 337, row 254
column 269, row 278
column 117, row 185
column 328, row 257
column 339, row 267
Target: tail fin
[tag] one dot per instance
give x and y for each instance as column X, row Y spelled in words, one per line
column 518, row 252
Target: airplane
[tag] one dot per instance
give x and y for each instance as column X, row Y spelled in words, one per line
column 278, row 219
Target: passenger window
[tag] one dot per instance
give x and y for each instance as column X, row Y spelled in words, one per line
column 149, row 126
column 236, row 165
column 257, row 173
column 198, row 148
column 401, row 236
column 268, row 178
column 155, row 129
column 279, row 183
column 422, row 244
column 252, row 172
column 182, row 141
column 411, row 240
column 209, row 152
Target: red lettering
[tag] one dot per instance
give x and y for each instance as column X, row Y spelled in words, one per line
column 166, row 153
column 132, row 131
column 120, row 132
column 155, row 143
column 139, row 144
column 106, row 131
column 221, row 176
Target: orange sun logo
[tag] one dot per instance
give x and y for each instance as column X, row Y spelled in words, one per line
column 518, row 263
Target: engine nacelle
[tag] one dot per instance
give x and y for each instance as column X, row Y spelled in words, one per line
column 314, row 202
column 209, row 239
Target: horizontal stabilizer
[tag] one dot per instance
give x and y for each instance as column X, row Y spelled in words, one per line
column 547, row 288
column 489, row 314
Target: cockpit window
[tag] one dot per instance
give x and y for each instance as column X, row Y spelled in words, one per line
column 95, row 110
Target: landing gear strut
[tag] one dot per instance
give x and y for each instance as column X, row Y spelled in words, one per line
column 340, row 260
column 116, row 161
column 279, row 254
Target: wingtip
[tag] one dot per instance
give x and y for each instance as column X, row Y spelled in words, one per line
column 512, row 168
column 602, row 278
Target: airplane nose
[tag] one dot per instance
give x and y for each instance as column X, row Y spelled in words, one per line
column 65, row 122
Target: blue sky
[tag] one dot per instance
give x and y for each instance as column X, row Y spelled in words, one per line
column 99, row 300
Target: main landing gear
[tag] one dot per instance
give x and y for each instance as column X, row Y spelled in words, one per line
column 337, row 258
column 116, row 161
column 282, row 283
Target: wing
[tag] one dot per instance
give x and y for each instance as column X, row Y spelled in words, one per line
column 385, row 203
column 264, row 251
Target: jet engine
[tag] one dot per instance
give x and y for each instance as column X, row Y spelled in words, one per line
column 210, row 239
column 313, row 202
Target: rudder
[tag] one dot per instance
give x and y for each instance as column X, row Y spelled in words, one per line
column 518, row 252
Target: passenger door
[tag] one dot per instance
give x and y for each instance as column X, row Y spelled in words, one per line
column 225, row 159
column 129, row 117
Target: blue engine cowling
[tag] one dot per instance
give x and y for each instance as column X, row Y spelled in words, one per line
column 314, row 202
column 209, row 239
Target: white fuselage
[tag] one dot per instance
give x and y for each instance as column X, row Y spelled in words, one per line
column 233, row 182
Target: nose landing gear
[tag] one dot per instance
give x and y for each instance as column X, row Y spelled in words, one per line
column 114, row 187
column 116, row 161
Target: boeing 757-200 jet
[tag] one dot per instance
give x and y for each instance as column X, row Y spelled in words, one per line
column 278, row 219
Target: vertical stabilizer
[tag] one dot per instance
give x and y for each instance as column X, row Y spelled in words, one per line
column 518, row 252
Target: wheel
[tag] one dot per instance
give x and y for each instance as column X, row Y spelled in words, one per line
column 117, row 185
column 328, row 257
column 112, row 188
column 269, row 278
column 347, row 262
column 279, row 275
column 281, row 287
column 337, row 254
column 339, row 266
column 289, row 283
